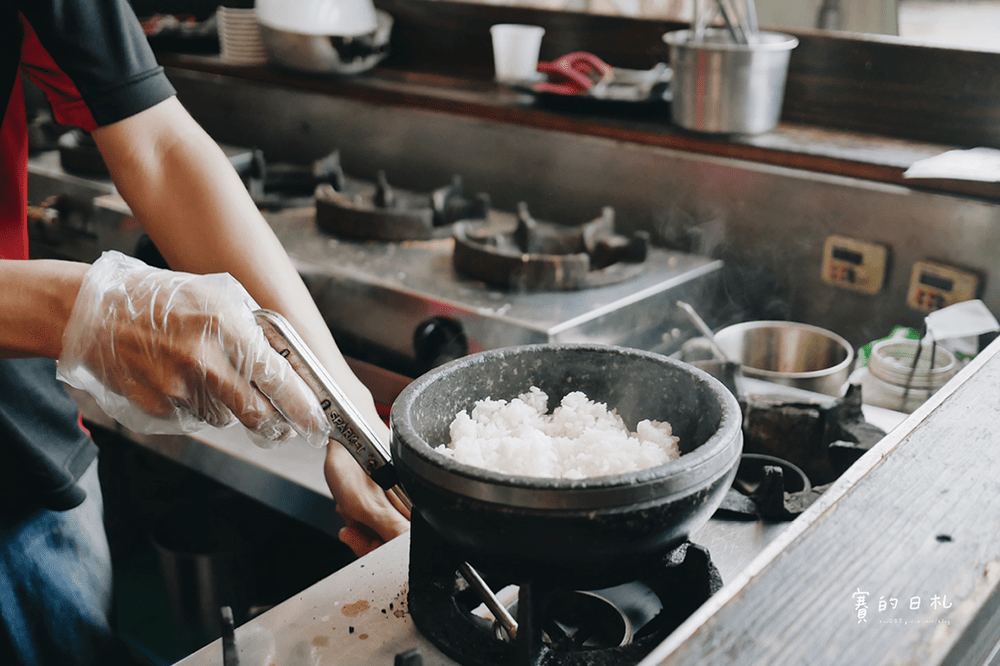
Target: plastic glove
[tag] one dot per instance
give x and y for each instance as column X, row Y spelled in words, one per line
column 169, row 352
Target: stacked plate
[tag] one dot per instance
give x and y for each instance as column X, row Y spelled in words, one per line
column 239, row 36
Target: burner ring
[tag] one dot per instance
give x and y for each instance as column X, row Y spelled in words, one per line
column 532, row 255
column 441, row 606
column 579, row 621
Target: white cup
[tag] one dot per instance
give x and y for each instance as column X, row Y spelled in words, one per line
column 515, row 51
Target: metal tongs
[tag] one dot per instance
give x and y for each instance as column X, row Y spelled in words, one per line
column 349, row 427
column 731, row 370
column 740, row 17
column 352, row 431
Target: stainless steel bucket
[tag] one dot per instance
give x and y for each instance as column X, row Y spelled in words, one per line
column 789, row 353
column 720, row 86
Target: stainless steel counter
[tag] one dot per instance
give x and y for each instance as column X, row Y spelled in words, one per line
column 358, row 614
column 288, row 479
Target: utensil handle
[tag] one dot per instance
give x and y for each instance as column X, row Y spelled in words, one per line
column 732, row 19
column 486, row 595
column 230, row 653
column 354, row 433
column 752, row 17
column 703, row 328
column 349, row 428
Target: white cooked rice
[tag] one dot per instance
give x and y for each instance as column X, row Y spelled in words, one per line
column 579, row 439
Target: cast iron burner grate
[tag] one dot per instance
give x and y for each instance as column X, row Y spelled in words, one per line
column 672, row 587
column 365, row 211
column 277, row 185
column 532, row 255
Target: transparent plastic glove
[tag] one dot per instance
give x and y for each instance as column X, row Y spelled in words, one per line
column 169, row 352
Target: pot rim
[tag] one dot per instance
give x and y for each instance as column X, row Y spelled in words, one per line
column 840, row 368
column 682, row 39
column 692, row 471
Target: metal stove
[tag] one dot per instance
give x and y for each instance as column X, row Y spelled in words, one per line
column 556, row 626
column 408, row 280
column 397, row 304
column 362, row 614
column 404, row 605
column 403, row 307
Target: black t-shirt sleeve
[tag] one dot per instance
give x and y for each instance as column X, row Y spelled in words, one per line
column 100, row 46
column 43, row 449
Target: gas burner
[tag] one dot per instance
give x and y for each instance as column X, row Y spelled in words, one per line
column 556, row 627
column 533, row 255
column 384, row 213
column 278, row 185
column 793, row 451
column 822, row 439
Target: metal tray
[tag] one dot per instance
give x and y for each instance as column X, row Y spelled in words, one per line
column 624, row 86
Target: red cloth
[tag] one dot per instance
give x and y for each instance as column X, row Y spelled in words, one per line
column 14, row 179
column 68, row 108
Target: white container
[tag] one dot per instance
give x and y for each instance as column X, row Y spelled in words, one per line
column 332, row 18
column 239, row 37
column 515, row 51
column 890, row 365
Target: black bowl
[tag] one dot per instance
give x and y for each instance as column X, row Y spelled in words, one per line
column 568, row 529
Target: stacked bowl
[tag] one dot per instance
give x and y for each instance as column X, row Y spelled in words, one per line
column 240, row 42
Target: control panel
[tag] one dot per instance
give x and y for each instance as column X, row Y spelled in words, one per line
column 855, row 264
column 934, row 286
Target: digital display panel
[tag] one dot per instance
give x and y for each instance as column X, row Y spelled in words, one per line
column 850, row 257
column 937, row 282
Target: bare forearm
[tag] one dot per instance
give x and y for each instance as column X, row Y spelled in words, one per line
column 36, row 300
column 189, row 199
column 193, row 205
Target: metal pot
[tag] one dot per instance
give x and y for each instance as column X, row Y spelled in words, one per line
column 596, row 529
column 789, row 353
column 328, row 54
column 720, row 86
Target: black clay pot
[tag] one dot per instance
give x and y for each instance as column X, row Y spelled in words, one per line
column 599, row 528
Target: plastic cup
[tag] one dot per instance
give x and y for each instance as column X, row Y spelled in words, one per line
column 515, row 51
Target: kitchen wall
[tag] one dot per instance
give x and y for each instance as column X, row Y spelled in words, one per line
column 769, row 224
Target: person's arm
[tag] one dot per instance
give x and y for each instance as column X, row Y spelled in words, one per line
column 189, row 199
column 35, row 304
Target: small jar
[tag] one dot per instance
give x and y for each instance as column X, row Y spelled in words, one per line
column 891, row 370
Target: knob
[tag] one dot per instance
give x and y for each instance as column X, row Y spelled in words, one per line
column 438, row 340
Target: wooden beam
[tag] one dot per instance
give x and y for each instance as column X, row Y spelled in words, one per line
column 916, row 520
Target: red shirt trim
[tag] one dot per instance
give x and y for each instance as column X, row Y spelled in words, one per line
column 68, row 108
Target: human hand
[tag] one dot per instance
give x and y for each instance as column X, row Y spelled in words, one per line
column 169, row 352
column 372, row 516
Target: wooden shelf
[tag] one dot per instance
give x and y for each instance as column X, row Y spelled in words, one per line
column 798, row 146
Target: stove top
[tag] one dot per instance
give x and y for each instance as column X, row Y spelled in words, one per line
column 383, row 300
column 402, row 307
column 360, row 614
column 555, row 625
